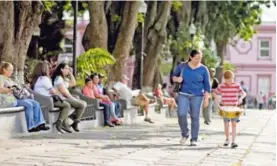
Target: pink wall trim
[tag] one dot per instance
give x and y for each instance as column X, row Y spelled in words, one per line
column 243, row 44
column 255, row 65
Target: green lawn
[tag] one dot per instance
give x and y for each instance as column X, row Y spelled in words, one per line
column 165, row 68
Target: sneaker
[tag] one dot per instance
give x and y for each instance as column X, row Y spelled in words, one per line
column 108, row 125
column 206, row 123
column 238, row 121
column 66, row 128
column 58, row 125
column 193, row 143
column 234, row 145
column 183, row 140
column 75, row 126
column 226, row 143
column 148, row 120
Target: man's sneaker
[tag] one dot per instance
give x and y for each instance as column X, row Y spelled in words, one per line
column 206, row 123
column 193, row 143
column 183, row 140
column 234, row 145
column 226, row 143
column 238, row 121
column 148, row 120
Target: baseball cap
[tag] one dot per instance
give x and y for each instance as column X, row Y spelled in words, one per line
column 101, row 75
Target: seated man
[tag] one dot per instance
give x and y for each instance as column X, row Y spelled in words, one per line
column 138, row 99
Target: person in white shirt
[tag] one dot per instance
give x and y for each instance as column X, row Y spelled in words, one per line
column 138, row 98
column 260, row 100
column 61, row 84
column 41, row 84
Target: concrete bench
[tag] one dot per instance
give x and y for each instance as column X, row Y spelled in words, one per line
column 130, row 115
column 12, row 121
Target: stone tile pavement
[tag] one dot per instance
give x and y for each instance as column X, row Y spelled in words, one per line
column 148, row 145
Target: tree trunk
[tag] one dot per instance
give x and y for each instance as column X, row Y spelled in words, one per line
column 125, row 37
column 116, row 9
column 17, row 22
column 96, row 33
column 158, row 77
column 137, row 71
column 221, row 50
column 183, row 15
column 155, row 38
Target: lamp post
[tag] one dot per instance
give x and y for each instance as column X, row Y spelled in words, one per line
column 75, row 37
column 192, row 31
column 143, row 10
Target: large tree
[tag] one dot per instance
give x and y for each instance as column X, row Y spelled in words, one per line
column 155, row 36
column 112, row 27
column 18, row 20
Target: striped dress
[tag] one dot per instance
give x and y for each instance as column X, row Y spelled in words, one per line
column 229, row 93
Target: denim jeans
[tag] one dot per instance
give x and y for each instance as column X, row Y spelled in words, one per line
column 107, row 112
column 33, row 113
column 193, row 105
column 117, row 108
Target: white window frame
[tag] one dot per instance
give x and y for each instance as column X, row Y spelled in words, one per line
column 67, row 46
column 264, row 48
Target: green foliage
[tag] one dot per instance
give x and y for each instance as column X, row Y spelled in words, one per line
column 210, row 59
column 140, row 17
column 94, row 60
column 116, row 18
column 48, row 5
column 233, row 18
column 176, row 5
column 184, row 43
column 229, row 66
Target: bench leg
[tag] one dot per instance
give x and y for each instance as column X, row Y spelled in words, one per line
column 53, row 117
column 99, row 118
column 130, row 116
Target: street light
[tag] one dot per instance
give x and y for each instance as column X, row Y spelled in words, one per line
column 192, row 31
column 143, row 10
column 75, row 38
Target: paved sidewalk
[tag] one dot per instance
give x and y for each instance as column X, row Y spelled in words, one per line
column 148, row 145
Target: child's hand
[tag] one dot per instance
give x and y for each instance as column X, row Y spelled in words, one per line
column 240, row 101
column 206, row 102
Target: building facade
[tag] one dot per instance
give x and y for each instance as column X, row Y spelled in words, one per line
column 256, row 60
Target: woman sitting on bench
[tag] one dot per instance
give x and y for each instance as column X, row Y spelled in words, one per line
column 41, row 84
column 61, row 83
column 33, row 113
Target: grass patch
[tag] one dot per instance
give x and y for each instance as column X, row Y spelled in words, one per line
column 165, row 68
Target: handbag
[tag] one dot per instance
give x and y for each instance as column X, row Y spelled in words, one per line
column 57, row 98
column 21, row 93
column 177, row 86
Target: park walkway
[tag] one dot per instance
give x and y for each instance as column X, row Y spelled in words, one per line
column 148, row 145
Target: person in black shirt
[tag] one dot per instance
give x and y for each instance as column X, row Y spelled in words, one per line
column 207, row 112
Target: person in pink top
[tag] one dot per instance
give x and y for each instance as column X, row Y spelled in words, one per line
column 230, row 92
column 88, row 90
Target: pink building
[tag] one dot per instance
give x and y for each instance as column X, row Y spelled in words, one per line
column 256, row 60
